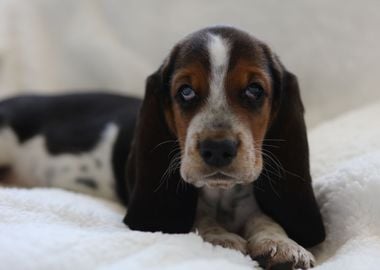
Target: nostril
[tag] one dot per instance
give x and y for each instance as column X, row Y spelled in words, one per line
column 227, row 155
column 206, row 154
column 218, row 153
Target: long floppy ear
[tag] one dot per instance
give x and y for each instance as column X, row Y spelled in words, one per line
column 159, row 200
column 284, row 190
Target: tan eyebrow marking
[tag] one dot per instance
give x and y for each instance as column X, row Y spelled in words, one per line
column 195, row 75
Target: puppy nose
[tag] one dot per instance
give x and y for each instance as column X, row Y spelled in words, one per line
column 218, row 153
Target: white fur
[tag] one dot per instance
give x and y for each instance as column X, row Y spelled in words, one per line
column 32, row 165
column 219, row 50
column 267, row 238
column 8, row 146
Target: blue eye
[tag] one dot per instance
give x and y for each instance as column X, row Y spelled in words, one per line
column 187, row 93
column 253, row 92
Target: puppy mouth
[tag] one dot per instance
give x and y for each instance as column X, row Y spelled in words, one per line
column 219, row 180
column 219, row 176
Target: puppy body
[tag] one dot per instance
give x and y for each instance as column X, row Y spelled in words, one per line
column 79, row 142
column 31, row 164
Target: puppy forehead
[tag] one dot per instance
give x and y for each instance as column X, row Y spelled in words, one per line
column 213, row 44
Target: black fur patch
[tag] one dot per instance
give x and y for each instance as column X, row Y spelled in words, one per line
column 71, row 123
column 4, row 172
column 74, row 123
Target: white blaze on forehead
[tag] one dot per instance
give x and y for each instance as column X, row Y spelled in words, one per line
column 219, row 50
column 217, row 115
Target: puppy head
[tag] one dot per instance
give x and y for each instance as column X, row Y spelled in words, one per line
column 219, row 96
column 220, row 101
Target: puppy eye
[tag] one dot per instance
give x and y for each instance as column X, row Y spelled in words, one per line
column 253, row 92
column 187, row 97
column 187, row 93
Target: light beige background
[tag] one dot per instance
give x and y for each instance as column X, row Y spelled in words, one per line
column 52, row 45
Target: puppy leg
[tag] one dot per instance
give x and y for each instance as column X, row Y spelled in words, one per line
column 272, row 248
column 215, row 234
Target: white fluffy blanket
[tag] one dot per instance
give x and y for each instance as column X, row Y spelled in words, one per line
column 56, row 229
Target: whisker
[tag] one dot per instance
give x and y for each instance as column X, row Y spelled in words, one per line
column 257, row 185
column 266, row 175
column 274, row 171
column 181, row 184
column 174, row 164
column 162, row 143
column 277, row 162
column 270, row 145
column 274, row 190
column 173, row 151
column 273, row 140
column 270, row 183
column 296, row 175
column 279, row 167
column 273, row 158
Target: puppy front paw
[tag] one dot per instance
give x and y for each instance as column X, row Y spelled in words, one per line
column 282, row 253
column 227, row 240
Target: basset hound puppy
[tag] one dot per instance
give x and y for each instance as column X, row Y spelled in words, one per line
column 218, row 145
column 221, row 147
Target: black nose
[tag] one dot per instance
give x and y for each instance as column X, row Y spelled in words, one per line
column 218, row 153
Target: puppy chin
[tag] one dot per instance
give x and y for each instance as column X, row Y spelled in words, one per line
column 214, row 184
column 217, row 183
column 200, row 180
column 220, row 184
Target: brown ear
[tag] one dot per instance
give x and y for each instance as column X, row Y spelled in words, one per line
column 158, row 200
column 284, row 190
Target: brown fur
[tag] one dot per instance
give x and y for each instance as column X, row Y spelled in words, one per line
column 240, row 77
column 195, row 75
